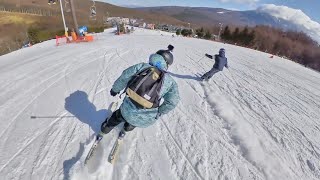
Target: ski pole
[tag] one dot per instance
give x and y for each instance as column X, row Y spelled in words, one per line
column 201, row 58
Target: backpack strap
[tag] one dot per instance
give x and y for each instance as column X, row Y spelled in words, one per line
column 149, row 72
column 134, row 77
column 160, row 79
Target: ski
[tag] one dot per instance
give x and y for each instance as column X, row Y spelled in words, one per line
column 113, row 156
column 92, row 150
column 99, row 137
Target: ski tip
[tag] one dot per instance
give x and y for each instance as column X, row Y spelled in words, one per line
column 114, row 154
column 112, row 161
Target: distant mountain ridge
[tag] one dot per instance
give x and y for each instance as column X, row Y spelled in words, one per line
column 131, row 6
column 269, row 15
column 83, row 10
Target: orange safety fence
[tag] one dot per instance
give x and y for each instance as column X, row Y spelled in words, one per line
column 75, row 38
column 86, row 38
column 61, row 37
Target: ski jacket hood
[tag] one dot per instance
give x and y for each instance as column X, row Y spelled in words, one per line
column 222, row 53
column 158, row 61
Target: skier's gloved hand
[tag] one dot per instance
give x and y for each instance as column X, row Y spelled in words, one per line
column 113, row 93
column 170, row 47
column 227, row 66
column 208, row 55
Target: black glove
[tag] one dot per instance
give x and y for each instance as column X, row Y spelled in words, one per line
column 208, row 55
column 113, row 93
column 170, row 47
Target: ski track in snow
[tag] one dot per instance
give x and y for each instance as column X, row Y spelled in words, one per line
column 256, row 120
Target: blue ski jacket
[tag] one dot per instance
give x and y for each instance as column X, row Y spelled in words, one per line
column 169, row 93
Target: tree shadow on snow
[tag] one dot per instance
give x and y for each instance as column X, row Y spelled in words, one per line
column 195, row 77
column 79, row 105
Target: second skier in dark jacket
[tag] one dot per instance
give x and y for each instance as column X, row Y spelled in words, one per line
column 220, row 62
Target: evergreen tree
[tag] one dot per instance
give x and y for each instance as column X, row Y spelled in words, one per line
column 200, row 32
column 178, row 32
column 236, row 35
column 208, row 35
column 244, row 36
column 190, row 32
column 251, row 37
column 226, row 35
column 184, row 32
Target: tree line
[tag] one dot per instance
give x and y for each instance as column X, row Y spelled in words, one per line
column 296, row 46
column 201, row 33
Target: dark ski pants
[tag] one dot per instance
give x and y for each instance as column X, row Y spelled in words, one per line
column 209, row 74
column 115, row 119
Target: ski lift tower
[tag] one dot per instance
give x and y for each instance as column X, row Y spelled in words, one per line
column 221, row 24
column 93, row 14
column 74, row 17
column 74, row 37
column 64, row 21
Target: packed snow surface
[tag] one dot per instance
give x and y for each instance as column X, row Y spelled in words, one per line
column 259, row 119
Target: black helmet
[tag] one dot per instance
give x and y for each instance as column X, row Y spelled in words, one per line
column 166, row 54
column 222, row 52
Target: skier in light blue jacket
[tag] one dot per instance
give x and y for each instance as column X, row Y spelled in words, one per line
column 134, row 115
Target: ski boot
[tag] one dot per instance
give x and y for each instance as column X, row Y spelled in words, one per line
column 122, row 134
column 99, row 136
column 204, row 79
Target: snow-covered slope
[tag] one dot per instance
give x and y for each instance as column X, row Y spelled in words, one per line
column 257, row 120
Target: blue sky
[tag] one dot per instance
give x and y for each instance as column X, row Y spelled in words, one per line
column 309, row 7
